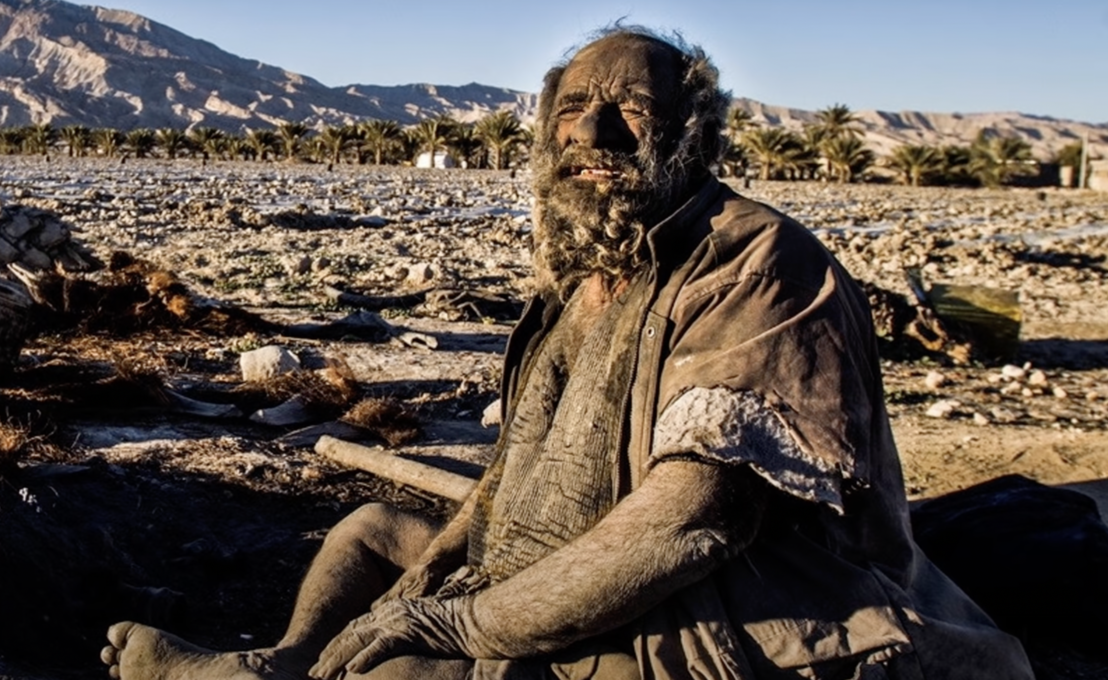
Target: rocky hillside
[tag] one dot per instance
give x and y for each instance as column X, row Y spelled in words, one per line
column 886, row 130
column 64, row 63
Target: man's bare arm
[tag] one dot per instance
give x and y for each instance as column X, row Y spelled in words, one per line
column 686, row 519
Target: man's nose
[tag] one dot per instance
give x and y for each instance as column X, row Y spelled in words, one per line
column 602, row 127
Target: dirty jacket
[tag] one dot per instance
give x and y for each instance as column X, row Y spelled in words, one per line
column 744, row 300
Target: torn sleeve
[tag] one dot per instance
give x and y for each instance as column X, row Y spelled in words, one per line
column 738, row 426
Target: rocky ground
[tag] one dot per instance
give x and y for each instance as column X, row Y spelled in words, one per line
column 204, row 525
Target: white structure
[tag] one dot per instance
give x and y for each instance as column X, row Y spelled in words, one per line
column 442, row 160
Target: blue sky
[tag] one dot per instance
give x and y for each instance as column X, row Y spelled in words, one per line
column 1045, row 58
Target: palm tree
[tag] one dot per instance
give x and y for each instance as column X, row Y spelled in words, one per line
column 291, row 135
column 236, row 147
column 141, row 142
column 838, row 120
column 409, row 143
column 379, row 137
column 334, row 142
column 774, row 149
column 995, row 160
column 261, row 143
column 467, row 147
column 1069, row 154
column 76, row 139
column 956, row 163
column 39, row 138
column 917, row 163
column 107, row 141
column 172, row 141
column 501, row 133
column 434, row 134
column 11, row 140
column 207, row 140
column 739, row 120
column 847, row 157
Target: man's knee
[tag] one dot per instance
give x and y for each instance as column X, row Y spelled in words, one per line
column 397, row 535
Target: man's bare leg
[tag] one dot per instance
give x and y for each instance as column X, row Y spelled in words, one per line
column 359, row 560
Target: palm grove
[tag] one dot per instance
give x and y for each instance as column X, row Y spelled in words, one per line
column 831, row 148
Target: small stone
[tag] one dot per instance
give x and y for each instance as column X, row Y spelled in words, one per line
column 292, row 412
column 1010, row 388
column 1060, row 393
column 8, row 252
column 301, row 266
column 943, row 409
column 51, row 234
column 1092, row 395
column 267, row 362
column 1037, row 378
column 420, row 273
column 1027, row 392
column 33, row 258
column 1012, row 372
column 981, row 419
column 935, row 380
column 1003, row 415
column 19, row 225
column 491, row 415
column 321, row 264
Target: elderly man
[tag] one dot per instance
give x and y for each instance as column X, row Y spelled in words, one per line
column 695, row 477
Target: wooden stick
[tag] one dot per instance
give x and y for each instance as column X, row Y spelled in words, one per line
column 400, row 470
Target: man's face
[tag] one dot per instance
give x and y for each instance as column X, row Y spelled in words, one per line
column 602, row 167
column 615, row 96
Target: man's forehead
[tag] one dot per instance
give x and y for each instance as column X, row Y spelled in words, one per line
column 627, row 60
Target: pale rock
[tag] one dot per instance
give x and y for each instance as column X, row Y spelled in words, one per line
column 490, row 417
column 1012, row 372
column 1060, row 393
column 1027, row 392
column 1003, row 415
column 420, row 273
column 267, row 362
column 981, row 419
column 944, row 408
column 935, row 380
column 1011, row 388
column 1037, row 378
column 1092, row 395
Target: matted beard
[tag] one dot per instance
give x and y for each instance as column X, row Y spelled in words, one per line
column 584, row 227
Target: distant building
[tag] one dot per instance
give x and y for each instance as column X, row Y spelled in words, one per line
column 442, row 160
column 1098, row 175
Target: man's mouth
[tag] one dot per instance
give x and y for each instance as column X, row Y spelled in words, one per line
column 596, row 174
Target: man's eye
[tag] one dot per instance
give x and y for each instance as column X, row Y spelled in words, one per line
column 633, row 112
column 571, row 111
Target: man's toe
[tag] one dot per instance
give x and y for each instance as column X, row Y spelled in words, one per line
column 117, row 634
column 109, row 655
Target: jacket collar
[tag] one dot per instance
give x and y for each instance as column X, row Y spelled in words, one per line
column 671, row 240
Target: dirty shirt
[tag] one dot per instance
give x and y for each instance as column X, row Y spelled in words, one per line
column 745, row 344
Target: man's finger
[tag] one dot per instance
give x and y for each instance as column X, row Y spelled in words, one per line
column 381, row 649
column 344, row 647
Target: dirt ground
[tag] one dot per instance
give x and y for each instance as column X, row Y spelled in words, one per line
column 116, row 506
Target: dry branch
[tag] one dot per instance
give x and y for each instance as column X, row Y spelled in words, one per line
column 400, row 470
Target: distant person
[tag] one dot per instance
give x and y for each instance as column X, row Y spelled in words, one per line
column 695, row 477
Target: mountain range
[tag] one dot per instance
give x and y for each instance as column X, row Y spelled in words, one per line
column 63, row 63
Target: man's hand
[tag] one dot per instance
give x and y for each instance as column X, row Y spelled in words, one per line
column 395, row 628
column 420, row 580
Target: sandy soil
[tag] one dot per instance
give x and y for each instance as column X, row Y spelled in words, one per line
column 119, row 500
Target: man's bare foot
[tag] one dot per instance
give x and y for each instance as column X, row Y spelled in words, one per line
column 140, row 652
